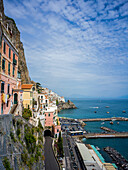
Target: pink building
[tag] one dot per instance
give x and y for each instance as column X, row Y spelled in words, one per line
column 52, row 120
column 50, row 116
column 9, row 79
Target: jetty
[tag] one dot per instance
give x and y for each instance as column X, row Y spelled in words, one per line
column 106, row 135
column 105, row 119
column 108, row 129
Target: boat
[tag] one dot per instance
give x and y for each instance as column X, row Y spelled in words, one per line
column 94, row 111
column 97, row 148
column 107, row 112
column 123, row 111
column 118, row 123
column 102, row 123
column 107, row 106
column 111, row 122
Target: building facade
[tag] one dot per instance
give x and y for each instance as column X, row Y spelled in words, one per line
column 9, row 79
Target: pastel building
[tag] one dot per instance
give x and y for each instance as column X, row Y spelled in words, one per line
column 28, row 90
column 9, row 79
column 51, row 119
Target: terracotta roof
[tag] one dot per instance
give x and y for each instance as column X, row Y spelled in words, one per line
column 26, row 86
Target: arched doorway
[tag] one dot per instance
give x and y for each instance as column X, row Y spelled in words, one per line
column 15, row 98
column 47, row 132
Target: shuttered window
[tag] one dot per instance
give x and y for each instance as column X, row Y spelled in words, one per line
column 4, row 48
column 9, row 68
column 9, row 53
column 3, row 64
column 8, row 88
column 2, row 87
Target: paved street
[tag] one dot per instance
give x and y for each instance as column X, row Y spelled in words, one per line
column 66, row 152
column 50, row 161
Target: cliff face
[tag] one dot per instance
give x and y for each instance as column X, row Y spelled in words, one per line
column 21, row 144
column 66, row 105
column 15, row 38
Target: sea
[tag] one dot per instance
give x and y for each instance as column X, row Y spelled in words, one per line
column 88, row 108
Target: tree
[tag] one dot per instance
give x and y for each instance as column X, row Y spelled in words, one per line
column 38, row 85
column 60, row 146
column 27, row 114
column 57, row 102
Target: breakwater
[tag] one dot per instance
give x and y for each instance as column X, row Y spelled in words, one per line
column 105, row 119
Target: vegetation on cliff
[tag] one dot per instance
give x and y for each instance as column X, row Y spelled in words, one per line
column 24, row 142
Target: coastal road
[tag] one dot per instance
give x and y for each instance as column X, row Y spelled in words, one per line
column 50, row 161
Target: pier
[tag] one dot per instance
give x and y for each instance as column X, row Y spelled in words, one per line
column 105, row 119
column 108, row 129
column 107, row 135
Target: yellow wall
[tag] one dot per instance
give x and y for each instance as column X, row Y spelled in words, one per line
column 27, row 99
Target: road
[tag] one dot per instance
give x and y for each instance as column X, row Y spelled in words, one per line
column 50, row 161
column 66, row 152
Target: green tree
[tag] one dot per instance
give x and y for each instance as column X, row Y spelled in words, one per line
column 57, row 102
column 27, row 114
column 38, row 85
column 60, row 146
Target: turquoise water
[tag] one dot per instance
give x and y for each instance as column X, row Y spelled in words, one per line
column 86, row 109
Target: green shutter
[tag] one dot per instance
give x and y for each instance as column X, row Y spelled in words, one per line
column 3, row 64
column 9, row 53
column 8, row 68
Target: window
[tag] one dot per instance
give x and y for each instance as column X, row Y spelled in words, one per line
column 14, row 60
column 9, row 53
column 45, row 114
column 49, row 114
column 13, row 56
column 9, row 68
column 57, row 130
column 4, row 47
column 8, row 90
column 3, row 64
column 41, row 97
column 2, row 87
column 13, row 71
column 2, row 108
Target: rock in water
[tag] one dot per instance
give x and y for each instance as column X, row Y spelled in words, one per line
column 66, row 105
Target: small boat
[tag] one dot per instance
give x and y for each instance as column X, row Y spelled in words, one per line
column 107, row 112
column 118, row 123
column 97, row 148
column 102, row 123
column 94, row 111
column 107, row 106
column 123, row 111
column 111, row 123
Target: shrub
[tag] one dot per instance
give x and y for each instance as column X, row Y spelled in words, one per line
column 12, row 136
column 30, row 141
column 27, row 114
column 24, row 157
column 6, row 164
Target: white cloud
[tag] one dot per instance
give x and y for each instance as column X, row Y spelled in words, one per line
column 76, row 42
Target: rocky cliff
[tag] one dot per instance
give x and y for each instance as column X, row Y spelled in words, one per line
column 15, row 38
column 21, row 144
column 66, row 105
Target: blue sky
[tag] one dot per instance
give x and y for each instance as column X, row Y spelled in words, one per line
column 75, row 46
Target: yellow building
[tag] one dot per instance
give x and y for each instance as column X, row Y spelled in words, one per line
column 28, row 90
